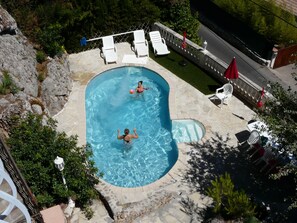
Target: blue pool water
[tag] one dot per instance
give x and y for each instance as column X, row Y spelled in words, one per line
column 110, row 106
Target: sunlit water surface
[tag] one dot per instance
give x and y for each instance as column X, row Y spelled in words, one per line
column 110, row 106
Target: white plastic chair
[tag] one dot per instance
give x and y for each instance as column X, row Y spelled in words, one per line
column 224, row 93
column 253, row 139
column 140, row 44
column 109, row 50
column 158, row 43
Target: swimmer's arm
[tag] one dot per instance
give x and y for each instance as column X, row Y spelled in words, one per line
column 119, row 136
column 135, row 136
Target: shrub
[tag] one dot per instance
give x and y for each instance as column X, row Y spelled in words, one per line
column 51, row 39
column 229, row 203
column 88, row 211
column 180, row 19
column 35, row 145
column 7, row 86
column 41, row 76
column 40, row 56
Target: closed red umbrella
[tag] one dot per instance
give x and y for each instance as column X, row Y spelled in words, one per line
column 184, row 44
column 231, row 72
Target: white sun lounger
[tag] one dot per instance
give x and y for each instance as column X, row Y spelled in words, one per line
column 109, row 50
column 158, row 43
column 140, row 44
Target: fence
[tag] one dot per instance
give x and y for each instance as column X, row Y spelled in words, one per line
column 243, row 87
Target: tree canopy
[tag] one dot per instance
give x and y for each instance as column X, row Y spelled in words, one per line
column 57, row 24
column 265, row 17
column 280, row 115
column 34, row 146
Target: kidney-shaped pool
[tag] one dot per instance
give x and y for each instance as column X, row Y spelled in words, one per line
column 110, row 106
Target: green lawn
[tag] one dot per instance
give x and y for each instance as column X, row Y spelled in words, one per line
column 189, row 73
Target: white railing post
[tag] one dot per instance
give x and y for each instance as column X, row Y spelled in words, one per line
column 11, row 199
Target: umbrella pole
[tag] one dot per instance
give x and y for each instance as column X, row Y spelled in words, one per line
column 183, row 62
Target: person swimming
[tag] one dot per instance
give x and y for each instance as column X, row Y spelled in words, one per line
column 140, row 88
column 127, row 138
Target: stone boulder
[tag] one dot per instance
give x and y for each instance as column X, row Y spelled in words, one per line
column 18, row 105
column 56, row 87
column 7, row 24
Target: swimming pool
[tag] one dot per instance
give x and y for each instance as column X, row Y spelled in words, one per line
column 110, row 106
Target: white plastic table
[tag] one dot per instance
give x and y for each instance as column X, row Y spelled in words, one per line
column 261, row 127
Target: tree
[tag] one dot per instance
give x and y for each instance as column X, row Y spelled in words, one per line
column 35, row 143
column 51, row 39
column 280, row 115
column 180, row 19
column 265, row 17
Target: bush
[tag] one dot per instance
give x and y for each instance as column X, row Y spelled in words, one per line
column 180, row 19
column 35, row 143
column 41, row 76
column 40, row 56
column 229, row 203
column 51, row 39
column 275, row 23
column 7, row 86
column 88, row 211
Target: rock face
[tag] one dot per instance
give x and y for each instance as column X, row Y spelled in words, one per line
column 7, row 23
column 18, row 59
column 57, row 85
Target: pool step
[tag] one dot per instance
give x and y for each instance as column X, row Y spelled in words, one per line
column 187, row 131
column 192, row 133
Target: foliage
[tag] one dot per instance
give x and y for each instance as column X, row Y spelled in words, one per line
column 180, row 19
column 40, row 56
column 265, row 17
column 54, row 24
column 35, row 143
column 7, row 86
column 88, row 211
column 67, row 21
column 51, row 39
column 229, row 203
column 280, row 115
column 41, row 76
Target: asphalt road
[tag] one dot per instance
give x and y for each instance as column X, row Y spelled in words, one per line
column 257, row 73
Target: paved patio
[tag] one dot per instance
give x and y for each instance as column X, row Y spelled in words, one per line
column 170, row 198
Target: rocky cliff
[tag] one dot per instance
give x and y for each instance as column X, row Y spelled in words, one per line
column 46, row 95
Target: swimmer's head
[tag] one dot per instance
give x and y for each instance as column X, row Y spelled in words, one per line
column 126, row 131
column 139, row 83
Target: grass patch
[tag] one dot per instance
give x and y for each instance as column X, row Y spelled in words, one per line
column 190, row 73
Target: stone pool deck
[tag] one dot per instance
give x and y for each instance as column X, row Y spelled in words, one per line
column 164, row 200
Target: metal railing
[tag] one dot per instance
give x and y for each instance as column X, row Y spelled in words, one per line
column 126, row 36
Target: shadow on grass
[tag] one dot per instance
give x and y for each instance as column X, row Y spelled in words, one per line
column 214, row 157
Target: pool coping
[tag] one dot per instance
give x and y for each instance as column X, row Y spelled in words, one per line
column 85, row 66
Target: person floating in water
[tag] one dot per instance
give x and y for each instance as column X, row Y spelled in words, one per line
column 127, row 137
column 140, row 88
